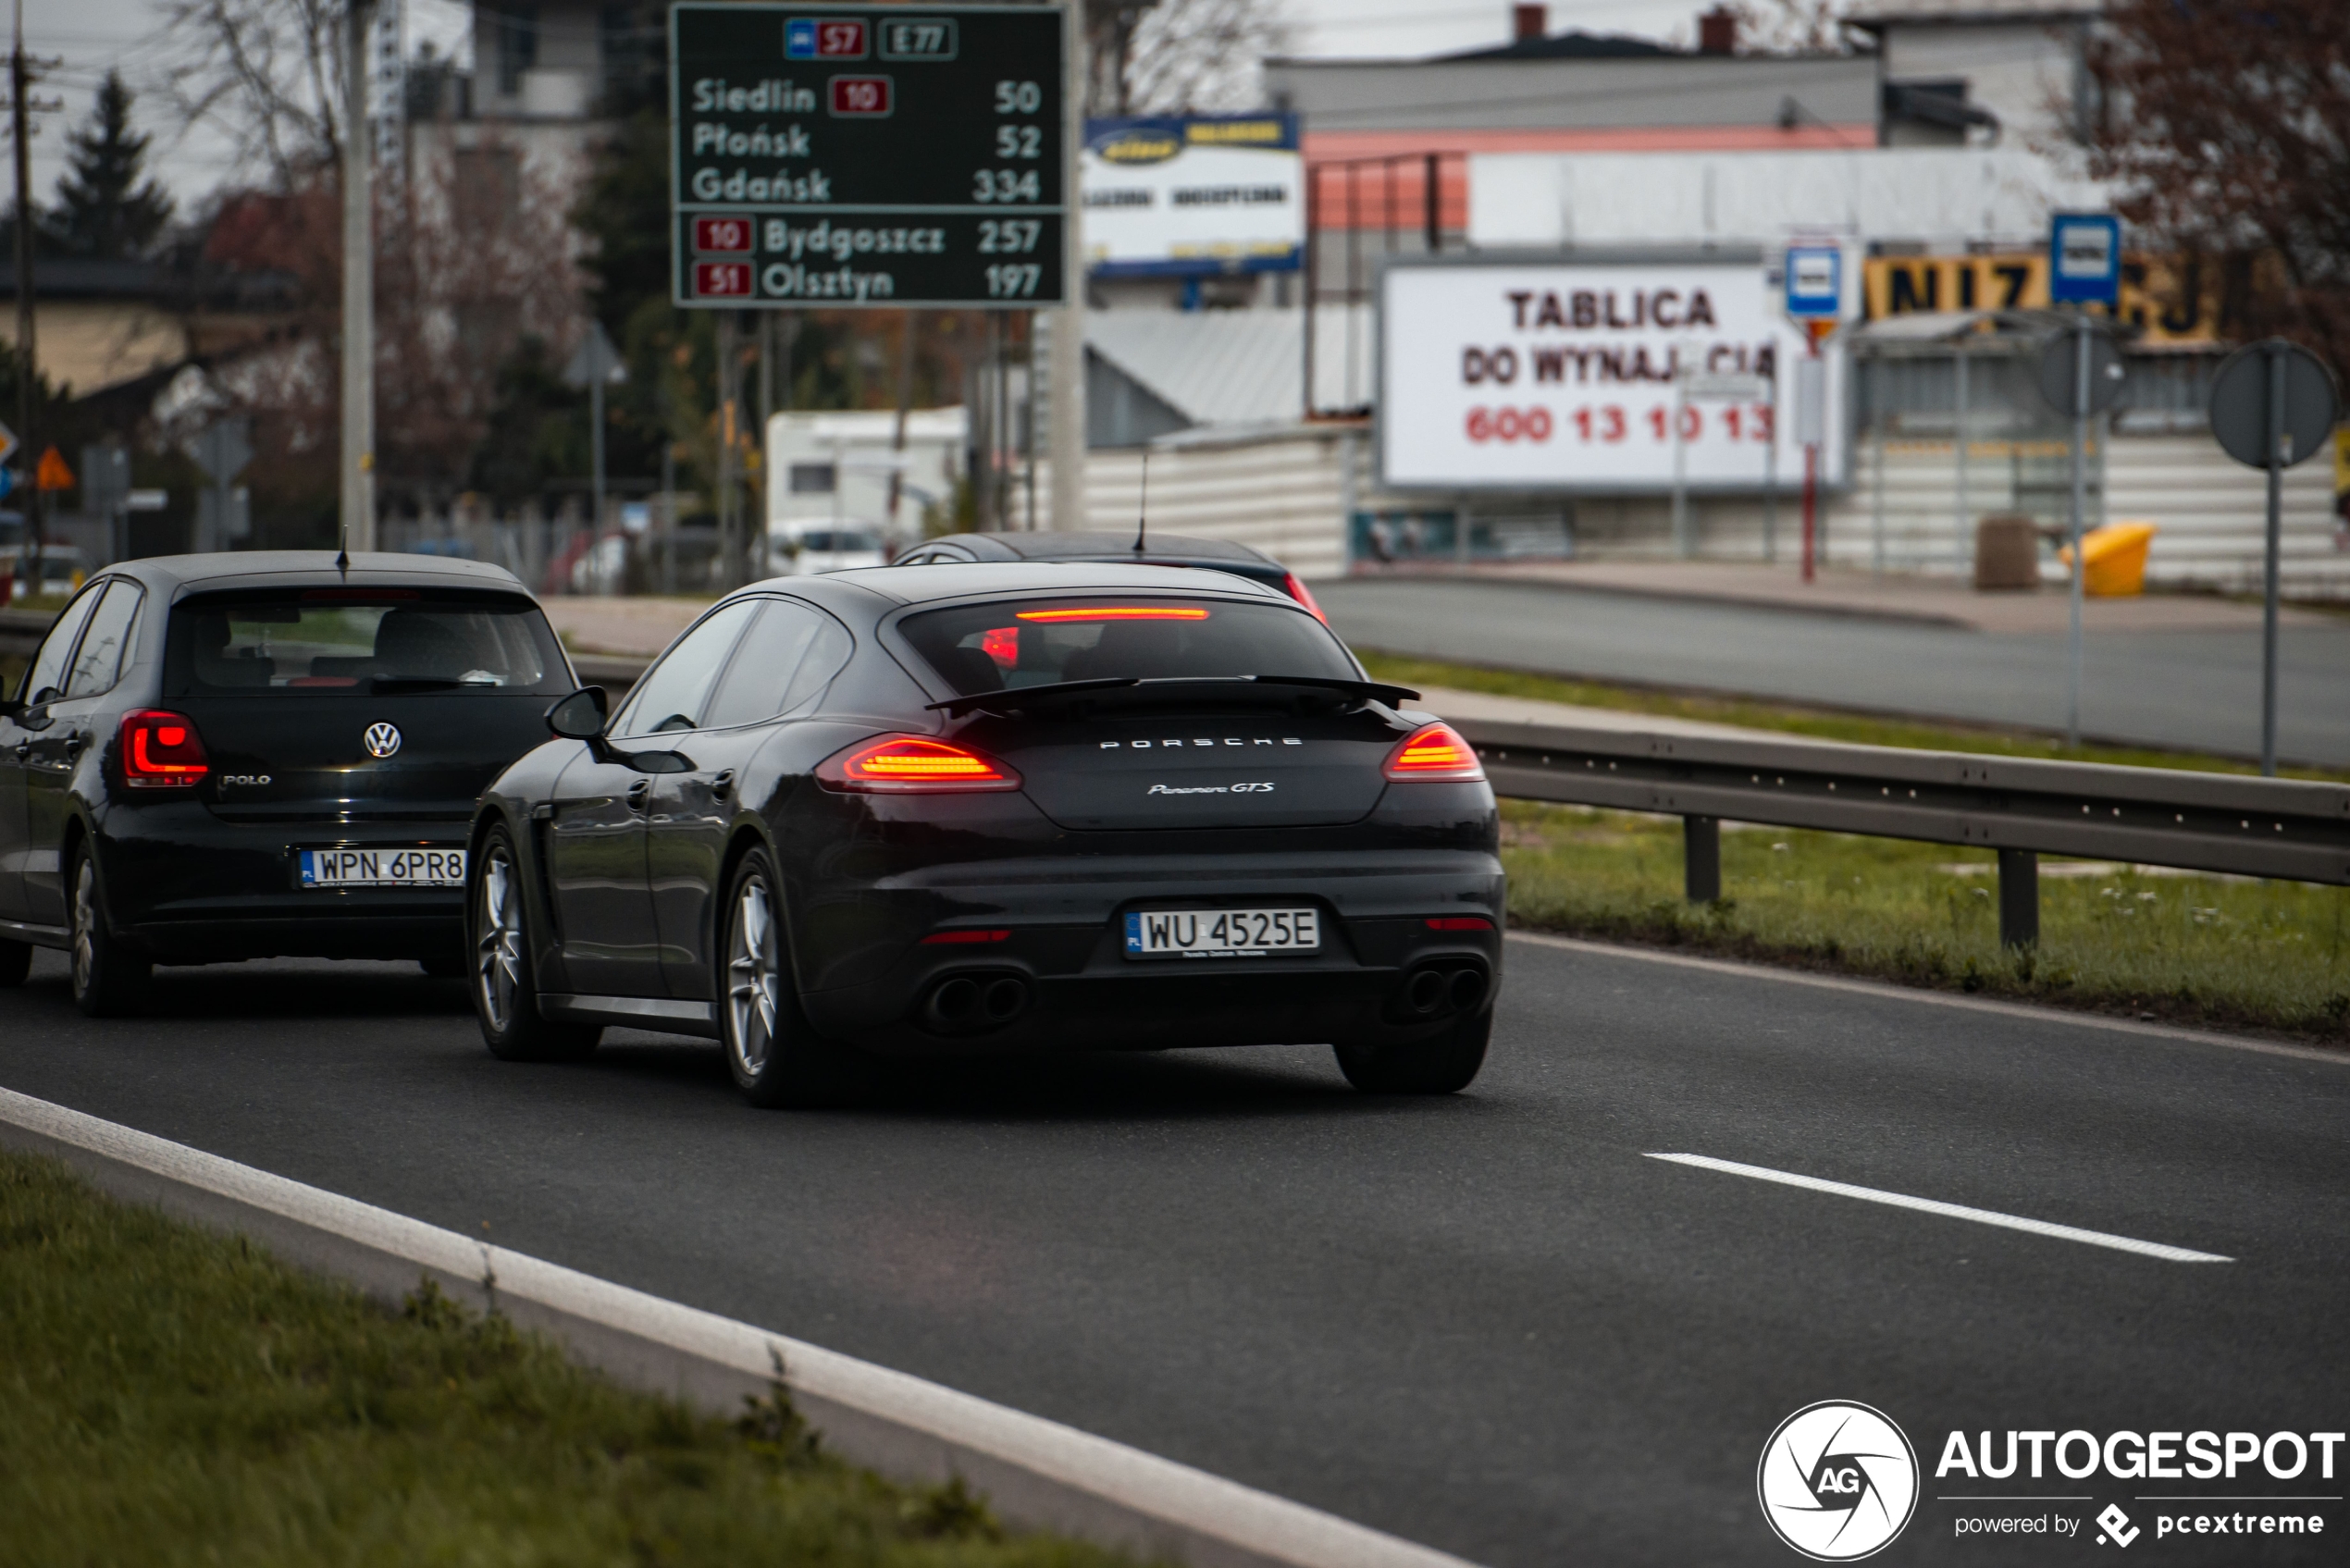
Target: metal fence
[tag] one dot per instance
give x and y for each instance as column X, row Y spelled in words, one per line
column 2022, row 808
column 2291, row 830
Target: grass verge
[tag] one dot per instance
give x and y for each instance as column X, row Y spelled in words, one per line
column 1757, row 715
column 177, row 1396
column 2205, row 951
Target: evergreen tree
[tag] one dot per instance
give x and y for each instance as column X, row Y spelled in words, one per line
column 103, row 210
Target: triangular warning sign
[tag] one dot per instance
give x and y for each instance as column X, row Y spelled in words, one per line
column 53, row 473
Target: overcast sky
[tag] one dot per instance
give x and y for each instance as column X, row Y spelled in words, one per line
column 92, row 35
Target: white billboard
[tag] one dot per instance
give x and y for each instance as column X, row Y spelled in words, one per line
column 1567, row 376
column 1190, row 195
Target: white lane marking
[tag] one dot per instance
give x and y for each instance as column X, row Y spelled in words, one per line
column 1128, row 1477
column 1890, row 992
column 1950, row 1211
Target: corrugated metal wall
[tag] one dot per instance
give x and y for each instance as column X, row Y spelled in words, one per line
column 1282, row 496
column 2213, row 513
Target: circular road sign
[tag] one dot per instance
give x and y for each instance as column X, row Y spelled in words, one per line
column 2058, row 373
column 2239, row 403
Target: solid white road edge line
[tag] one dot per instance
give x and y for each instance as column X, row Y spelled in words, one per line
column 1209, row 1507
column 1936, row 998
column 1950, row 1211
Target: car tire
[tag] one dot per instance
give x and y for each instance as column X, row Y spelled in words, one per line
column 109, row 981
column 1445, row 1065
column 15, row 962
column 505, row 990
column 777, row 1058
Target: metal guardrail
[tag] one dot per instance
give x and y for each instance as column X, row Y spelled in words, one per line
column 21, row 630
column 2288, row 829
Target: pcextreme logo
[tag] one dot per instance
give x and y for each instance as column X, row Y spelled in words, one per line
column 1838, row 1481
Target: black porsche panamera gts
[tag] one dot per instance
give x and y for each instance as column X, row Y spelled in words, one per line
column 260, row 754
column 995, row 808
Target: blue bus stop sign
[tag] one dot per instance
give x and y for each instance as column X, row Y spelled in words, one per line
column 1815, row 282
column 2084, row 258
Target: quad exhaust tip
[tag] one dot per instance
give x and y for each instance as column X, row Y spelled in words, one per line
column 1440, row 988
column 1425, row 991
column 962, row 1004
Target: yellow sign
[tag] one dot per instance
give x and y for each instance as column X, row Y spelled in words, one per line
column 2172, row 305
column 1247, row 133
column 53, row 473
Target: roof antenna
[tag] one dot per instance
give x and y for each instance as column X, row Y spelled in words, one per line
column 343, row 540
column 1143, row 505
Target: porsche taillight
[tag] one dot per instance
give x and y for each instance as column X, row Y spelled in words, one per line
column 1435, row 752
column 1304, row 595
column 913, row 765
column 162, row 750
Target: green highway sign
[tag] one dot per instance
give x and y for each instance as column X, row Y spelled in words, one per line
column 866, row 155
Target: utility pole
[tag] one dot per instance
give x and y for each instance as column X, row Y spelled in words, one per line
column 358, row 289
column 1069, row 331
column 27, row 361
column 2080, row 501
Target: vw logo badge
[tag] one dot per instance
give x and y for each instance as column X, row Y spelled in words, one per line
column 1839, row 1481
column 381, row 741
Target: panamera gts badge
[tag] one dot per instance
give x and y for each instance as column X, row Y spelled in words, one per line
column 381, row 741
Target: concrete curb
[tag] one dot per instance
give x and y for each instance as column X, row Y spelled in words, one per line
column 1037, row 1473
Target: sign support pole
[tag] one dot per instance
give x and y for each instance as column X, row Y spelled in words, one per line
column 2080, row 496
column 1683, row 543
column 729, row 546
column 1069, row 328
column 1958, row 520
column 358, row 291
column 2273, row 567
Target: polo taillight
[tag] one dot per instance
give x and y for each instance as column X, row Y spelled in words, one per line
column 162, row 750
column 1436, row 752
column 913, row 765
column 1304, row 595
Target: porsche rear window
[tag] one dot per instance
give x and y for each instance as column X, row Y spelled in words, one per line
column 296, row 643
column 981, row 648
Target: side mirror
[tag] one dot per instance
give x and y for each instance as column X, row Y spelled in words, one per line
column 579, row 716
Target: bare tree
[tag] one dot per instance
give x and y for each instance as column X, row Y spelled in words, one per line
column 269, row 73
column 2227, row 130
column 474, row 257
column 1168, row 56
column 1790, row 27
column 474, row 251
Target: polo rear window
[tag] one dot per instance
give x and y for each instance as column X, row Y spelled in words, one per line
column 292, row 642
column 1014, row 643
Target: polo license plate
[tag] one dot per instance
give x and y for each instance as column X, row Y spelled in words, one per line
column 383, row 868
column 1220, row 934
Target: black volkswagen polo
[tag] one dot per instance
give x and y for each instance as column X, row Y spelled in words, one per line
column 996, row 807
column 240, row 756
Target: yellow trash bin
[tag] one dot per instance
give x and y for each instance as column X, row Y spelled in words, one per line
column 2117, row 558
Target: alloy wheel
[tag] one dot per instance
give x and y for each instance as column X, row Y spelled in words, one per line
column 85, row 920
column 497, row 949
column 753, row 975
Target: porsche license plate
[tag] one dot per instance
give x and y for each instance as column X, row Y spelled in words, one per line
column 1220, row 934
column 383, row 868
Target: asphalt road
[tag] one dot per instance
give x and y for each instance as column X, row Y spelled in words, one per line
column 1488, row 1322
column 2182, row 690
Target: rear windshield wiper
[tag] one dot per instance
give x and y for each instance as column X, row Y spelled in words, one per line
column 380, row 685
column 1012, row 699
